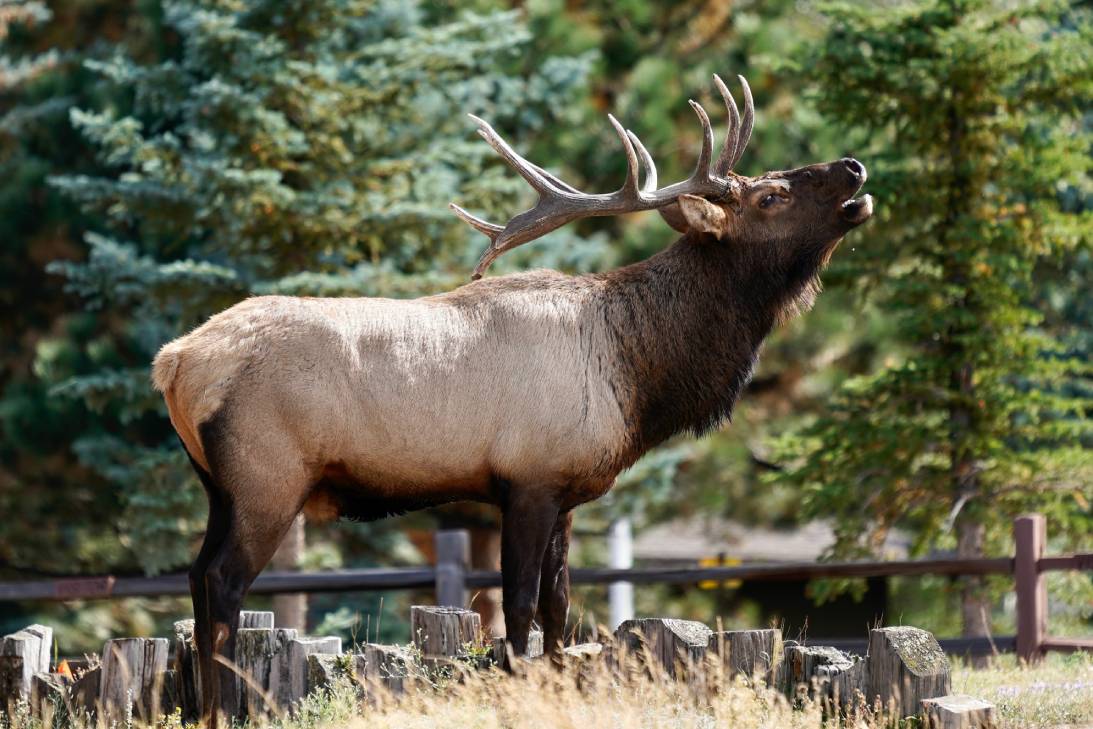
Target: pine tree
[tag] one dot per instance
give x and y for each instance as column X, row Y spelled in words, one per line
column 968, row 116
column 305, row 147
column 64, row 508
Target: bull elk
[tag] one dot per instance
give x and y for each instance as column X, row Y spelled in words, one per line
column 531, row 391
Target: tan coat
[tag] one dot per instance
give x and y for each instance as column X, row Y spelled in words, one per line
column 423, row 400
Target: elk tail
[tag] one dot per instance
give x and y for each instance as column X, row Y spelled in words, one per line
column 165, row 367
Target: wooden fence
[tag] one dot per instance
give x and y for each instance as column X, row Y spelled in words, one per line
column 452, row 578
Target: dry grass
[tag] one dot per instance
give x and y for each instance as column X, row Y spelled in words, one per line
column 1057, row 693
column 543, row 699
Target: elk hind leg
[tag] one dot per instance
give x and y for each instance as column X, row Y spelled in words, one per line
column 253, row 536
column 554, row 585
column 266, row 484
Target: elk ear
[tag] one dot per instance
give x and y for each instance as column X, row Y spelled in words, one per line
column 702, row 216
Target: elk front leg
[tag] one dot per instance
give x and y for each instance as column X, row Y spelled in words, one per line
column 527, row 523
column 554, row 586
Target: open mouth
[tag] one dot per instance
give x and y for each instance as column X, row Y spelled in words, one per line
column 858, row 209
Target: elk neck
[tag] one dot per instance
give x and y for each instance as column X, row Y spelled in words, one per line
column 687, row 325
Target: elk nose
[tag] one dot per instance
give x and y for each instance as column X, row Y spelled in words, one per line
column 856, row 168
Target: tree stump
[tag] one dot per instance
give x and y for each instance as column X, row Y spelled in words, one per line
column 132, row 674
column 168, row 694
column 85, row 690
column 822, row 673
column 906, row 665
column 499, row 649
column 291, row 680
column 443, row 632
column 384, row 669
column 754, row 654
column 186, row 673
column 958, row 712
column 49, row 697
column 677, row 646
column 253, row 654
column 258, row 654
column 322, row 670
column 255, row 619
column 23, row 654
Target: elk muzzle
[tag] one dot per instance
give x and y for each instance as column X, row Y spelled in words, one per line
column 854, row 211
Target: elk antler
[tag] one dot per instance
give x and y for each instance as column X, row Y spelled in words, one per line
column 560, row 203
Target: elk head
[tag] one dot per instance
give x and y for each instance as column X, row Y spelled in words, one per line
column 783, row 217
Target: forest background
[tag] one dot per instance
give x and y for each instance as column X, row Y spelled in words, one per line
column 162, row 160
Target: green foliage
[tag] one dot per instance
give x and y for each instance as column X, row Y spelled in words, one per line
column 969, row 115
column 308, row 148
column 65, row 522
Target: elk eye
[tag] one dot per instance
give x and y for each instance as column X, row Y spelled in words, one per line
column 769, row 200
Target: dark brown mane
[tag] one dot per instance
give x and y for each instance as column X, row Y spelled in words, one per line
column 687, row 325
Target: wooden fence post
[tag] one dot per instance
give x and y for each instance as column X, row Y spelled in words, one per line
column 1030, row 534
column 453, row 553
column 442, row 632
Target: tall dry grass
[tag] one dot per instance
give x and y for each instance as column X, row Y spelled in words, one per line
column 1057, row 693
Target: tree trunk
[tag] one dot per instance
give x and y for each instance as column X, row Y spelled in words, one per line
column 290, row 611
column 486, row 555
column 965, row 489
column 975, row 604
column 970, row 532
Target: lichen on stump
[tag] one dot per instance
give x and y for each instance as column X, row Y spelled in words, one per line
column 821, row 672
column 906, row 665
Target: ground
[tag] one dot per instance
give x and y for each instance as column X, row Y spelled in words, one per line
column 1056, row 694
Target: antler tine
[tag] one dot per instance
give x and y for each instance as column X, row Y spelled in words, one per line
column 490, row 230
column 527, row 170
column 630, row 186
column 728, row 152
column 560, row 184
column 746, row 125
column 650, row 184
column 702, row 167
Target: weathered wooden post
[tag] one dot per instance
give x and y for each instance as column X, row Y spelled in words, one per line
column 383, row 668
column 258, row 653
column 85, row 690
column 291, row 681
column 500, row 648
column 906, row 665
column 677, row 645
column 255, row 619
column 958, row 712
column 23, row 654
column 751, row 653
column 132, row 675
column 187, row 680
column 822, row 672
column 453, row 555
column 1030, row 534
column 442, row 632
column 48, row 696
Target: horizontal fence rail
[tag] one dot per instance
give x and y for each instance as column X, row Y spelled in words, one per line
column 401, row 578
column 352, row 580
